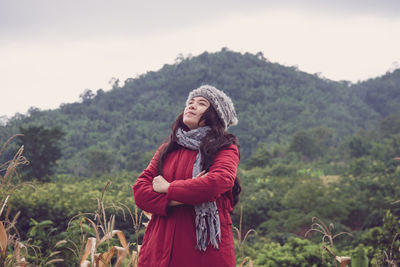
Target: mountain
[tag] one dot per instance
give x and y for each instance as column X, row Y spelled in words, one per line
column 382, row 94
column 272, row 101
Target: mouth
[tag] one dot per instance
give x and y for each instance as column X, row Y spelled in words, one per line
column 190, row 113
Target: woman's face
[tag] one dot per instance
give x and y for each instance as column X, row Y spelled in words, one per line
column 193, row 112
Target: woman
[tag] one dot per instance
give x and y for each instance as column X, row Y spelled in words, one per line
column 190, row 187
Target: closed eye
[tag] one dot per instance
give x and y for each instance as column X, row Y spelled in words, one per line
column 204, row 103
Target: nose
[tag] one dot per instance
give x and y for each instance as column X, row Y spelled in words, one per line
column 192, row 105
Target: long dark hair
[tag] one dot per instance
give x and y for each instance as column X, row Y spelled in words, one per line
column 216, row 139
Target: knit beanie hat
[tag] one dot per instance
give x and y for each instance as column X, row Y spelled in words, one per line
column 219, row 100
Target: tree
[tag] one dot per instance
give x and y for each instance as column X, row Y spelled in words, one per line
column 100, row 162
column 390, row 125
column 260, row 158
column 41, row 148
column 358, row 146
column 303, row 143
column 87, row 95
column 323, row 136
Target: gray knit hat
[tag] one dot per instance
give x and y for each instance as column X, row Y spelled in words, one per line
column 219, row 100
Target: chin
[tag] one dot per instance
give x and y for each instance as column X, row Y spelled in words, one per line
column 190, row 124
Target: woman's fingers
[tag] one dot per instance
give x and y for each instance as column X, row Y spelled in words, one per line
column 202, row 173
column 160, row 185
column 158, row 179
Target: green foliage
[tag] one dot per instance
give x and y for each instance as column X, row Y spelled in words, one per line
column 378, row 245
column 359, row 166
column 138, row 160
column 67, row 196
column 100, row 162
column 390, row 125
column 295, row 252
column 307, row 195
column 382, row 93
column 279, row 199
column 260, row 158
column 358, row 146
column 359, row 258
column 42, row 149
column 273, row 102
column 391, row 226
column 304, row 144
column 40, row 233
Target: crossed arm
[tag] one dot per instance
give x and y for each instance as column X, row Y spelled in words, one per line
column 160, row 185
column 153, row 193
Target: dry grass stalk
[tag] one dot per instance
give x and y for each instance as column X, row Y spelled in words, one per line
column 247, row 259
column 8, row 237
column 326, row 232
column 101, row 225
column 8, row 233
column 241, row 239
column 3, row 240
column 8, row 141
column 104, row 232
column 20, row 260
column 343, row 260
column 137, row 221
column 7, row 187
column 389, row 258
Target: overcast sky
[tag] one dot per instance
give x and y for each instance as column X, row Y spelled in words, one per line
column 51, row 51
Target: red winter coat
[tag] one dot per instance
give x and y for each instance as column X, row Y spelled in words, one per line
column 170, row 237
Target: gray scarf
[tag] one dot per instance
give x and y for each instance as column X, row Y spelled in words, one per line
column 206, row 213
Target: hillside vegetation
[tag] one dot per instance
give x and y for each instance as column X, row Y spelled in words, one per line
column 272, row 101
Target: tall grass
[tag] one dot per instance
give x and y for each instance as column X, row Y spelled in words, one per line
column 9, row 236
column 388, row 258
column 13, row 251
column 241, row 239
column 100, row 249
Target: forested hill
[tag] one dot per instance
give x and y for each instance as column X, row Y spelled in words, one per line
column 272, row 101
column 382, row 94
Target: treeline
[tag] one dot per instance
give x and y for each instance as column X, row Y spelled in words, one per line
column 273, row 102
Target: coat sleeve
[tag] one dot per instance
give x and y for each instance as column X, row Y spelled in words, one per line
column 219, row 179
column 145, row 197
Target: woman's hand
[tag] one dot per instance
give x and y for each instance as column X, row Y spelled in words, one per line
column 201, row 174
column 160, row 185
column 173, row 203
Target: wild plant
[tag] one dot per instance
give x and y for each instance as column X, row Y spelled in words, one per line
column 9, row 236
column 389, row 259
column 8, row 186
column 13, row 251
column 241, row 239
column 102, row 226
column 327, row 243
column 137, row 222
